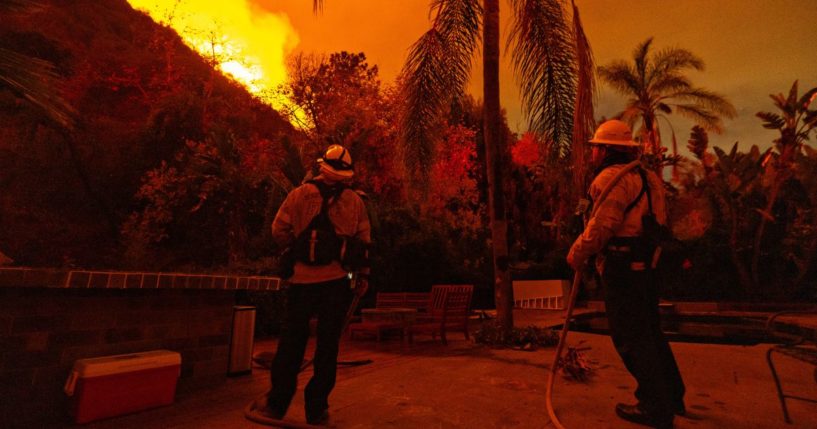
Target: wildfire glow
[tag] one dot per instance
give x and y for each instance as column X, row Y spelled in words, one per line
column 250, row 45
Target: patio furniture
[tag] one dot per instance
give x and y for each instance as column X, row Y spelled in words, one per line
column 379, row 322
column 798, row 343
column 437, row 297
column 382, row 320
column 451, row 316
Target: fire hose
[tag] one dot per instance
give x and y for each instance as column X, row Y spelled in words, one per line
column 577, row 279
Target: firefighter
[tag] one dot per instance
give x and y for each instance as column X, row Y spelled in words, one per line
column 320, row 281
column 624, row 261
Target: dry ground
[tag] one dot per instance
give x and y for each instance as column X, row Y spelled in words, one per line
column 428, row 385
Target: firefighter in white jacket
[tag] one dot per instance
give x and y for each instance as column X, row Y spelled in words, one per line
column 615, row 234
column 322, row 210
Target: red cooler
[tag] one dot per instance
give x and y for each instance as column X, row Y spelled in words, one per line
column 115, row 385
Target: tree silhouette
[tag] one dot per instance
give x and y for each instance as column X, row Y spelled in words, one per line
column 656, row 86
column 794, row 122
column 543, row 43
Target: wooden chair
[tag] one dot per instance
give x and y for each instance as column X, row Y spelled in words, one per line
column 798, row 343
column 378, row 328
column 451, row 316
column 437, row 297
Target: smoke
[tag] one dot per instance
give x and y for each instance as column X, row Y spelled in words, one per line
column 248, row 43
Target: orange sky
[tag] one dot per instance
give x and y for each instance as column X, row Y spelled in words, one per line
column 751, row 47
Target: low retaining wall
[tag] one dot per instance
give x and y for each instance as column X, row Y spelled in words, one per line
column 50, row 318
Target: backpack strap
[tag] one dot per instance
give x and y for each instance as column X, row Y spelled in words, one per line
column 329, row 195
column 318, row 240
column 645, row 189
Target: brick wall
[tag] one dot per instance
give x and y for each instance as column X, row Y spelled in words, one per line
column 44, row 330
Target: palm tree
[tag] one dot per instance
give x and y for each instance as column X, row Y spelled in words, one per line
column 656, row 87
column 543, row 48
column 544, row 54
column 32, row 78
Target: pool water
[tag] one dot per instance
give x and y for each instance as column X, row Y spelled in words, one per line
column 698, row 328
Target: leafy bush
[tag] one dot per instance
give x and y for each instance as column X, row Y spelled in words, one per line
column 528, row 339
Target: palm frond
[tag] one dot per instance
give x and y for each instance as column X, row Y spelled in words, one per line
column 424, row 90
column 583, row 116
column 35, row 80
column 543, row 61
column 669, row 83
column 621, row 77
column 672, row 60
column 436, row 70
column 640, row 57
column 630, row 114
column 710, row 100
column 705, row 117
column 458, row 21
column 664, row 108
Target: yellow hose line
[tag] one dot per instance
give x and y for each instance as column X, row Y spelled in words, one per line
column 251, row 413
column 554, row 367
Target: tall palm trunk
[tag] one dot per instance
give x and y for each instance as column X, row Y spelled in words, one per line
column 650, row 142
column 494, row 150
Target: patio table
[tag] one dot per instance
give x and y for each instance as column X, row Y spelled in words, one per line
column 403, row 316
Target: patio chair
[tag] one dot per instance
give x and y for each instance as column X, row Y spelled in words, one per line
column 436, row 298
column 798, row 343
column 452, row 316
column 378, row 328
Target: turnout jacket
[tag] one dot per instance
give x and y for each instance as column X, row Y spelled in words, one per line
column 347, row 214
column 609, row 218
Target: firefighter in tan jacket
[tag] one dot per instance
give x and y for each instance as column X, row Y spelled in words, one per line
column 615, row 235
column 320, row 211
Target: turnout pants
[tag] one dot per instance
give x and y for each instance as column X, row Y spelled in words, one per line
column 329, row 302
column 631, row 299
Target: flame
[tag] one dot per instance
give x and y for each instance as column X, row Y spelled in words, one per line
column 248, row 44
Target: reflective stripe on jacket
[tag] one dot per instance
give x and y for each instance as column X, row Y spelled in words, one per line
column 609, row 218
column 347, row 213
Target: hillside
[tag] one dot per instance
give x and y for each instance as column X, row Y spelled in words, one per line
column 139, row 95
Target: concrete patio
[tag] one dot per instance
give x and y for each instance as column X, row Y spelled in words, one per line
column 463, row 385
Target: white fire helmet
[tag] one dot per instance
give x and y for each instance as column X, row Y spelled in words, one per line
column 336, row 163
